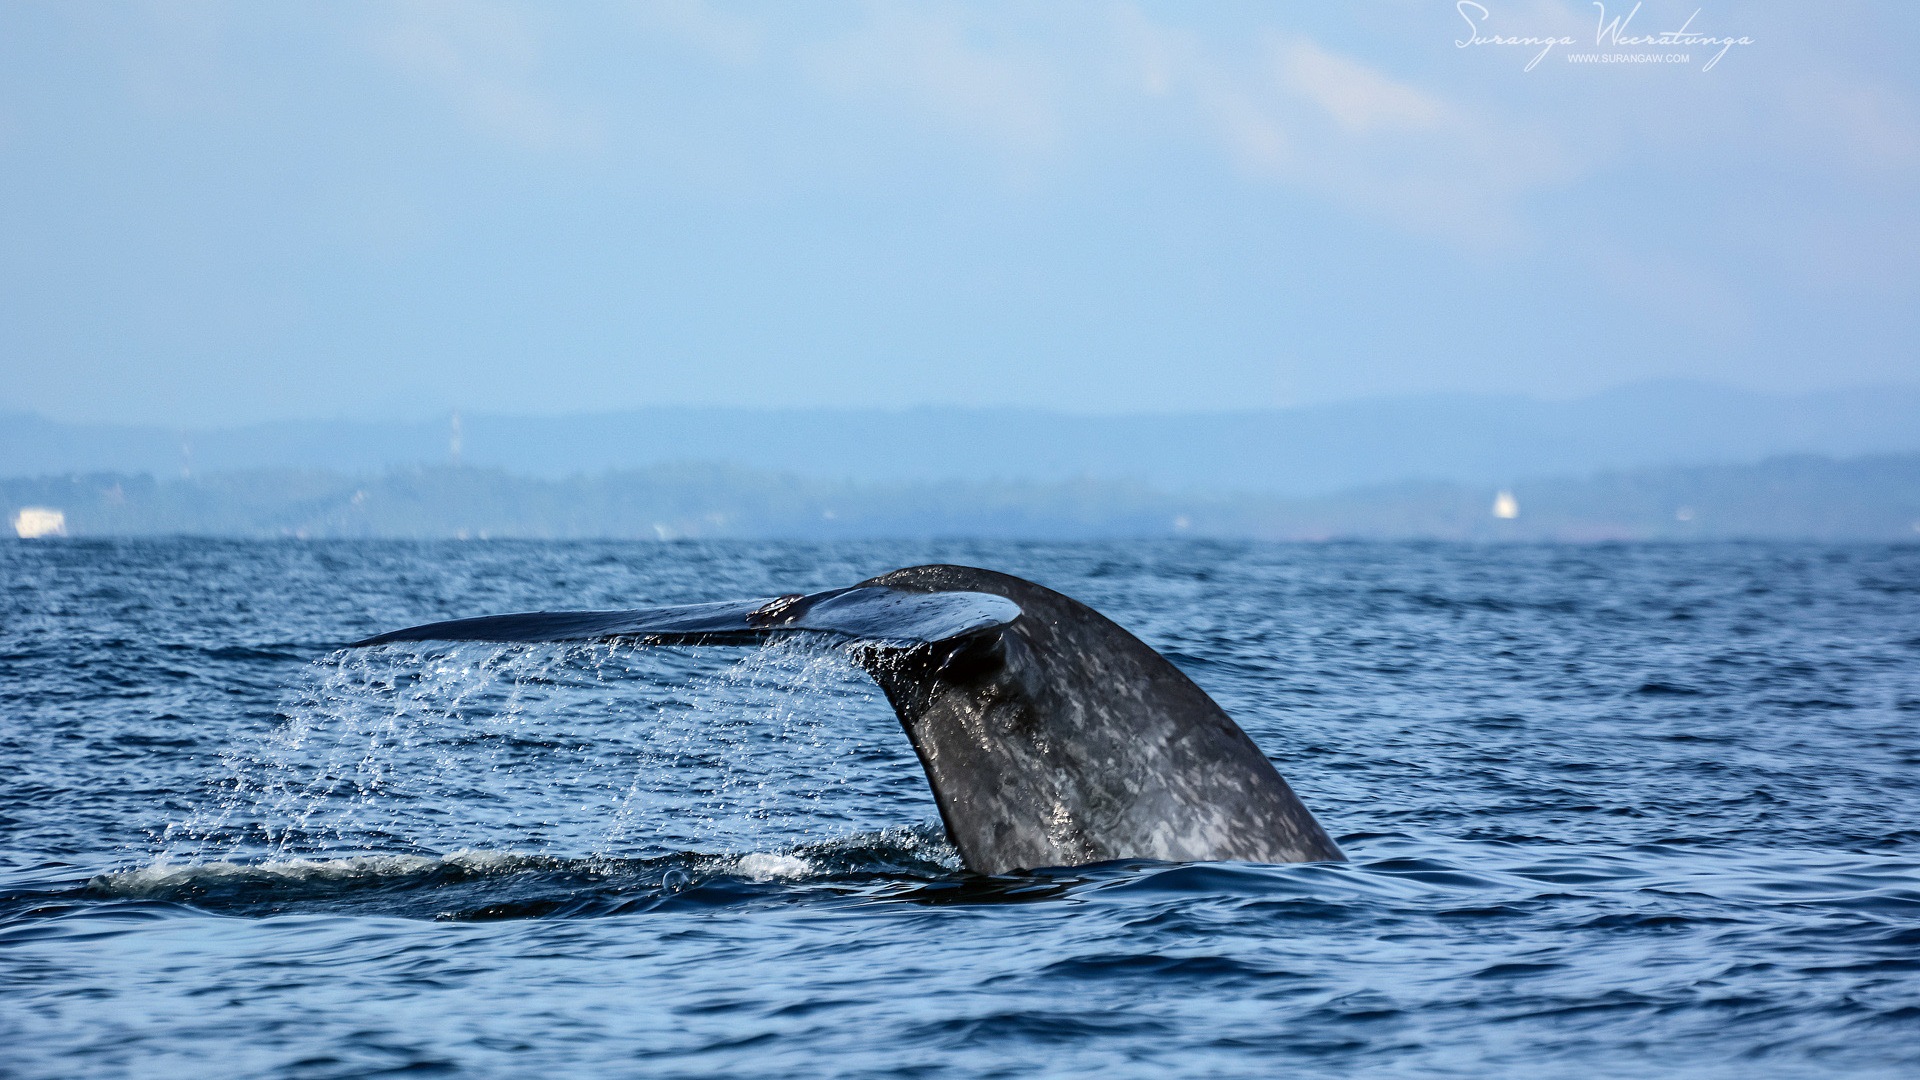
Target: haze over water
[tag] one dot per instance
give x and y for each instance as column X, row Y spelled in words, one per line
column 1616, row 810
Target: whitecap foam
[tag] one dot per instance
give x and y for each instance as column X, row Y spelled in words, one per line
column 917, row 848
column 766, row 866
column 164, row 876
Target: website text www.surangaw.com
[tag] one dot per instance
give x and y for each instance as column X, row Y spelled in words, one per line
column 1627, row 58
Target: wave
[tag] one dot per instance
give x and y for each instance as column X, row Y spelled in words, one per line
column 479, row 883
column 917, row 864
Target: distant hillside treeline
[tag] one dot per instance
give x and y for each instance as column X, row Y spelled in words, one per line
column 1291, row 453
column 1875, row 498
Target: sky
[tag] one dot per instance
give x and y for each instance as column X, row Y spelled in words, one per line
column 224, row 213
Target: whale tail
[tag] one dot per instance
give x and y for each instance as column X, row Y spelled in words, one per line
column 1050, row 736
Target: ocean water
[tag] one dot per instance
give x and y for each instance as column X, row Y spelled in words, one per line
column 1611, row 811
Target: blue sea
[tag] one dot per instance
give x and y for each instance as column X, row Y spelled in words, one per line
column 1611, row 810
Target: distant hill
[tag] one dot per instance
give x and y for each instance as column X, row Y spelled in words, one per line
column 1307, row 451
column 1807, row 498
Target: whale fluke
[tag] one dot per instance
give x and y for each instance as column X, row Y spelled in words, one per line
column 1050, row 736
column 883, row 616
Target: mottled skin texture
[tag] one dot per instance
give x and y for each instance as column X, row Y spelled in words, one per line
column 1062, row 739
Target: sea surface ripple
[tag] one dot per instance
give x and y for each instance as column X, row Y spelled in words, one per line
column 1612, row 810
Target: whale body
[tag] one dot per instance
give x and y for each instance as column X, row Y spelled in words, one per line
column 1050, row 735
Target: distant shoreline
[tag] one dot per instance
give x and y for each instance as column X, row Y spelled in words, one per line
column 1287, row 453
column 1875, row 498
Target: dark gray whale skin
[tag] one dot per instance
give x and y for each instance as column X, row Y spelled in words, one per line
column 1061, row 739
column 1050, row 736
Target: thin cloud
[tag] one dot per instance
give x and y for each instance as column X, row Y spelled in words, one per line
column 926, row 59
column 1292, row 112
column 485, row 60
column 1359, row 98
column 733, row 39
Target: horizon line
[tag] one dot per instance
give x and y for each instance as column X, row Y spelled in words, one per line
column 445, row 414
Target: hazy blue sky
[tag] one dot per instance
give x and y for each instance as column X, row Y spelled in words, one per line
column 217, row 213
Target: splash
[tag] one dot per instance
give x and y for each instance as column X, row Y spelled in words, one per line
column 585, row 751
column 776, row 745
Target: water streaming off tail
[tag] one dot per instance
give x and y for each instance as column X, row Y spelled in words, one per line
column 595, row 750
